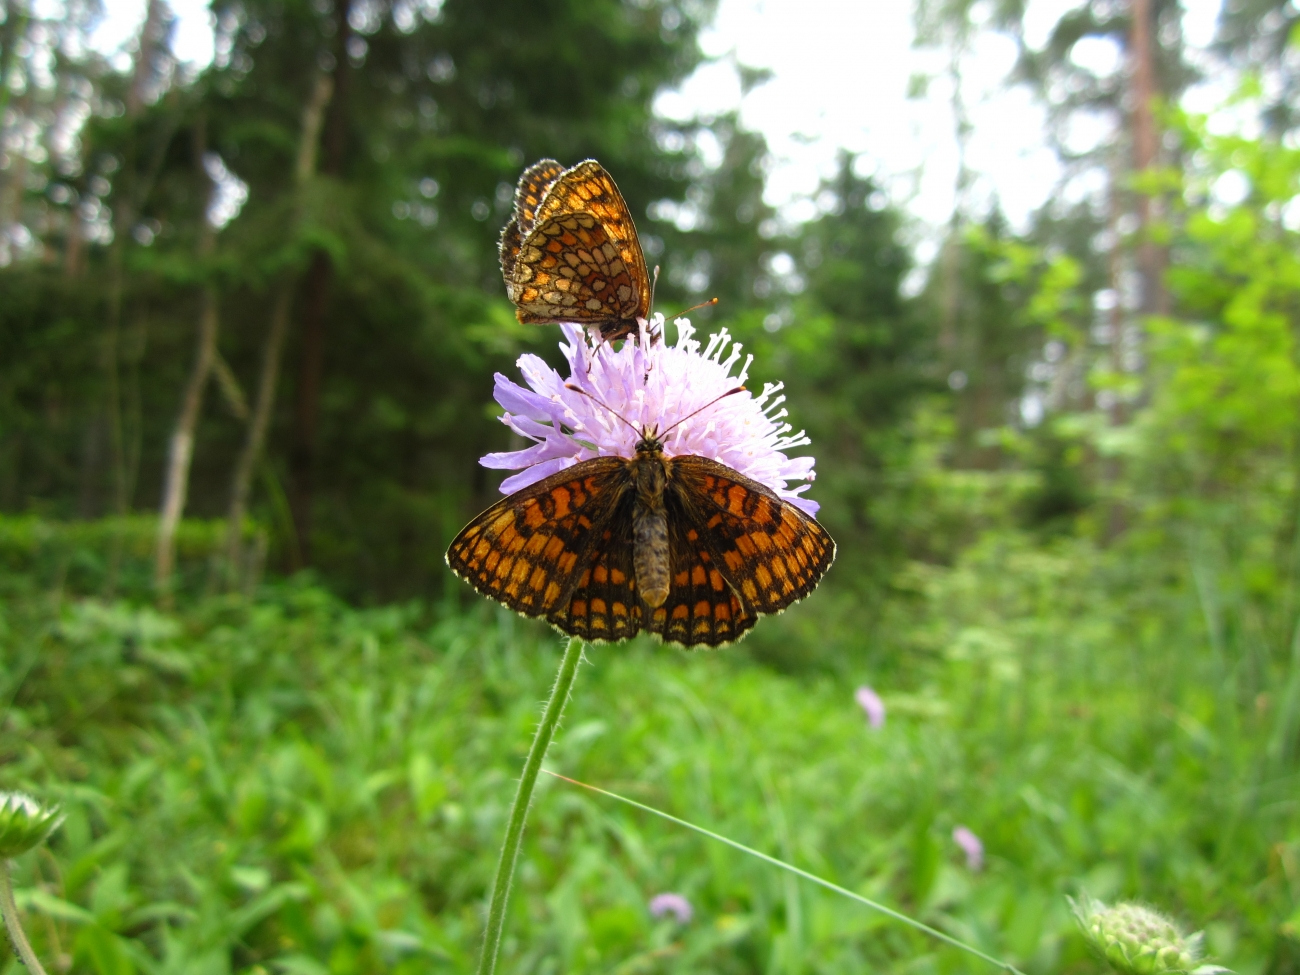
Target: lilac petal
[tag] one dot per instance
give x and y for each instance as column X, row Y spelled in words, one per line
column 534, row 474
column 674, row 904
column 871, row 703
column 515, row 399
column 513, row 460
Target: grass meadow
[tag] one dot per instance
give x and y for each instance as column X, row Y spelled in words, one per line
column 282, row 783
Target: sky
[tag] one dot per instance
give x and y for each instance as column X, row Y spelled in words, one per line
column 840, row 73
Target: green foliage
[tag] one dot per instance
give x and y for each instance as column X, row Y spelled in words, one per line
column 292, row 784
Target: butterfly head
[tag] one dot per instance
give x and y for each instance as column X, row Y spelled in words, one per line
column 650, row 443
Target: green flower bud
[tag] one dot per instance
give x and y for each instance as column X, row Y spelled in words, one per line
column 1138, row 940
column 24, row 824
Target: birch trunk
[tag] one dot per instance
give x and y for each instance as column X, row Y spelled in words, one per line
column 181, row 449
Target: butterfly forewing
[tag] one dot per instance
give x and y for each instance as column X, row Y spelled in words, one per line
column 770, row 552
column 533, row 185
column 531, row 549
column 571, row 253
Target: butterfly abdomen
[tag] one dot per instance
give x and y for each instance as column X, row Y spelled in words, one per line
column 650, row 529
column 650, row 553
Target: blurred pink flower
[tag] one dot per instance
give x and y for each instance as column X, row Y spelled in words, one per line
column 870, row 702
column 971, row 846
column 674, row 904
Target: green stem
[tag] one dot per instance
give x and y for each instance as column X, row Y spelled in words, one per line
column 10, row 911
column 519, row 809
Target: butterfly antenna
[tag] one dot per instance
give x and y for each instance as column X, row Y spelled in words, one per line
column 730, row 392
column 702, row 304
column 614, row 412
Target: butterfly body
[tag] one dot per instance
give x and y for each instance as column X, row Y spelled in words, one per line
column 684, row 547
column 570, row 252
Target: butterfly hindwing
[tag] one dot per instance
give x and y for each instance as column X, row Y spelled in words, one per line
column 702, row 607
column 604, row 605
column 770, row 552
column 529, row 550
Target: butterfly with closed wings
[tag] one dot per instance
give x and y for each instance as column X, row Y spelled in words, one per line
column 570, row 252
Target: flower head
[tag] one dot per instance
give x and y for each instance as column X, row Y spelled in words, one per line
column 871, row 703
column 1138, row 940
column 675, row 904
column 24, row 824
column 970, row 845
column 656, row 388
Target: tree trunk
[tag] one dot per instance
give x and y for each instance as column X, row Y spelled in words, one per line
column 257, row 426
column 1143, row 90
column 315, row 307
column 181, row 449
column 312, row 117
column 151, row 37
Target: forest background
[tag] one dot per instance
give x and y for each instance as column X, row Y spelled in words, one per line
column 250, row 317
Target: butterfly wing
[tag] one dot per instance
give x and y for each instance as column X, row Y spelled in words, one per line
column 533, row 184
column 579, row 259
column 702, row 607
column 531, row 549
column 604, row 605
column 769, row 552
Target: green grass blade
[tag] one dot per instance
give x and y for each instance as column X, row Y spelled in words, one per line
column 844, row 892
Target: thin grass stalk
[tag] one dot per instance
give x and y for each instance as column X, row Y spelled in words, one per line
column 821, row 882
column 519, row 808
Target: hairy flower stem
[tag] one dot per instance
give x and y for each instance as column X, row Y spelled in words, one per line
column 519, row 809
column 10, row 911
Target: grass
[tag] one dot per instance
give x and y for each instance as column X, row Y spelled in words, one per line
column 287, row 784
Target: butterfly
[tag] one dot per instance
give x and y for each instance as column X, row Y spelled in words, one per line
column 571, row 253
column 683, row 547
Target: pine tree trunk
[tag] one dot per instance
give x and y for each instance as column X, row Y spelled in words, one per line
column 312, row 118
column 315, row 307
column 1144, row 89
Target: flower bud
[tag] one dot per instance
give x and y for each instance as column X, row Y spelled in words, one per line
column 24, row 824
column 1138, row 940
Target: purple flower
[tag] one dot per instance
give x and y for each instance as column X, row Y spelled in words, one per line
column 971, row 846
column 870, row 702
column 674, row 904
column 653, row 386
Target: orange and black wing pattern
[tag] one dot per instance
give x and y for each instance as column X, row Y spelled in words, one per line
column 769, row 552
column 605, row 606
column 574, row 255
column 531, row 549
column 702, row 607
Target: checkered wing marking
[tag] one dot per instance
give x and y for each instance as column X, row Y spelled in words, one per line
column 605, row 605
column 581, row 260
column 533, row 184
column 702, row 607
column 530, row 550
column 770, row 552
